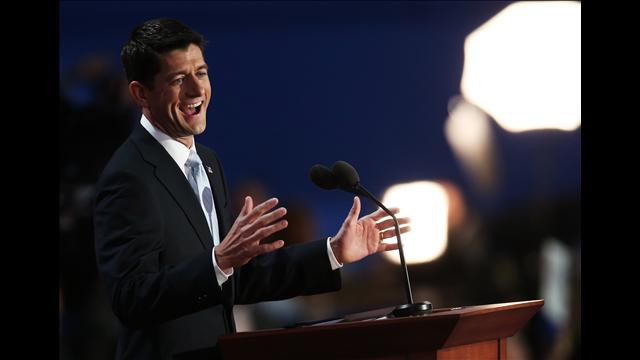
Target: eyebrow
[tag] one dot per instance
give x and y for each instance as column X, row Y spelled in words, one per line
column 173, row 74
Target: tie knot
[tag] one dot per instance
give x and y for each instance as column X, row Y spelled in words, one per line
column 193, row 161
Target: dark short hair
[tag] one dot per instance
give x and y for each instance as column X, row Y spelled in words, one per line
column 141, row 55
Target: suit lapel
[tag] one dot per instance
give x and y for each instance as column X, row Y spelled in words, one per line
column 174, row 181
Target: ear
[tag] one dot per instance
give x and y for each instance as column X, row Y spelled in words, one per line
column 139, row 92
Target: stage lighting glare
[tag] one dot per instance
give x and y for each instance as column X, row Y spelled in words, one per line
column 426, row 203
column 523, row 66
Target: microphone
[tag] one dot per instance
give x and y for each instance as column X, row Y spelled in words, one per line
column 326, row 179
column 323, row 177
column 345, row 177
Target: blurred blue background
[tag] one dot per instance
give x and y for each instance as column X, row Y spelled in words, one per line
column 300, row 83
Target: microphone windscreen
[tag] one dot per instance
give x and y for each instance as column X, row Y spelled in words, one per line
column 323, row 177
column 346, row 175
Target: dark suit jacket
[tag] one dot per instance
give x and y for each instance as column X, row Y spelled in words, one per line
column 153, row 249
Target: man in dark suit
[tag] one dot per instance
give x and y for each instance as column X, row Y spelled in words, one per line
column 172, row 255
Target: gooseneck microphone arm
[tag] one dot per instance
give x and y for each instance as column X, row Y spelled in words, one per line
column 407, row 285
column 345, row 177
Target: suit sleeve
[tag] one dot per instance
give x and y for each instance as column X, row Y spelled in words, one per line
column 129, row 244
column 291, row 271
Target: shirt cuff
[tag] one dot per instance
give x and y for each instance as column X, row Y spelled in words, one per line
column 221, row 276
column 332, row 258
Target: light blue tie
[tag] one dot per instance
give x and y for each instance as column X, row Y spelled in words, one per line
column 200, row 185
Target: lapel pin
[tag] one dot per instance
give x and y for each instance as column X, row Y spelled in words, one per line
column 209, row 169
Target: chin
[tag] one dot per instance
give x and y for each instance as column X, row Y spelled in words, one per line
column 200, row 129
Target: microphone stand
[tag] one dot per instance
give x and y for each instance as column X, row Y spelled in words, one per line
column 411, row 308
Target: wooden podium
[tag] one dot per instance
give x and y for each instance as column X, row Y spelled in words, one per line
column 469, row 332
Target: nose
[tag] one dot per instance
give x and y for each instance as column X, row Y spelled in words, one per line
column 193, row 86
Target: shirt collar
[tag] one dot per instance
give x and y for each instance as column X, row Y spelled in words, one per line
column 177, row 150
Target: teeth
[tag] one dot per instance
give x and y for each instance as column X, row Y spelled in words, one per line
column 194, row 105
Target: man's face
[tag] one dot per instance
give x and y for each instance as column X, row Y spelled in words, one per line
column 181, row 93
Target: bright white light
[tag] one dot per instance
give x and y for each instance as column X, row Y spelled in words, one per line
column 523, row 66
column 555, row 272
column 426, row 204
column 467, row 128
column 468, row 132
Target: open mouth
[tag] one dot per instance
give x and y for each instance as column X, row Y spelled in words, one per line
column 191, row 109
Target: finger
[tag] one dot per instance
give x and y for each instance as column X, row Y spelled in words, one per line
column 387, row 247
column 383, row 225
column 261, row 209
column 248, row 205
column 354, row 212
column 265, row 248
column 264, row 232
column 392, row 233
column 380, row 213
column 240, row 220
column 263, row 220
